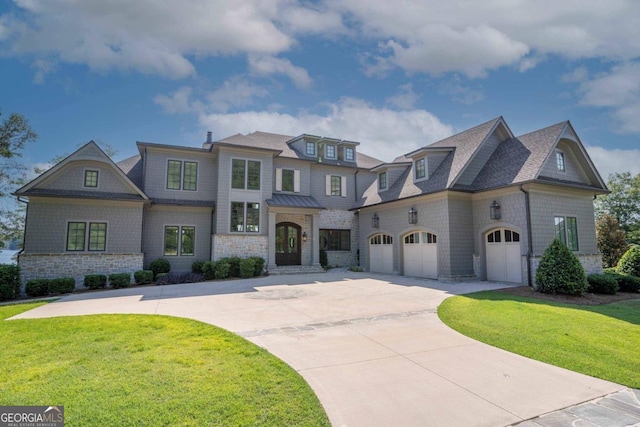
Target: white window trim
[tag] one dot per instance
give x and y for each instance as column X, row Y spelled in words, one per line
column 182, row 162
column 564, row 161
column 343, row 185
column 246, row 174
column 84, row 175
column 296, row 180
column 386, row 183
column 426, row 170
column 326, row 151
column 353, row 150
column 306, row 149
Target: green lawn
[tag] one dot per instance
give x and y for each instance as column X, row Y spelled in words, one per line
column 601, row 341
column 122, row 370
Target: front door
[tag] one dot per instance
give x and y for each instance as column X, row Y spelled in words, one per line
column 287, row 244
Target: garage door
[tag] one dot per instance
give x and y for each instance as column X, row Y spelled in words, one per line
column 381, row 253
column 420, row 252
column 503, row 256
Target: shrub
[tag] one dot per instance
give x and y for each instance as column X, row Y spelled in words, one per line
column 95, row 281
column 120, row 280
column 602, row 284
column 158, row 266
column 143, row 277
column 560, row 271
column 627, row 282
column 37, row 287
column 324, row 261
column 196, row 267
column 62, row 285
column 208, row 270
column 259, row 265
column 630, row 262
column 9, row 281
column 355, row 268
column 247, row 267
column 234, row 265
column 177, row 278
column 221, row 269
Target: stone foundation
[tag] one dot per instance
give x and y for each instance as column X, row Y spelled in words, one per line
column 226, row 245
column 51, row 266
column 592, row 263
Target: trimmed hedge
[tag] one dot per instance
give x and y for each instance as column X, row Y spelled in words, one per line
column 234, row 265
column 62, row 285
column 602, row 284
column 560, row 271
column 221, row 269
column 158, row 266
column 143, row 277
column 178, row 278
column 630, row 262
column 37, row 287
column 247, row 267
column 9, row 281
column 120, row 280
column 259, row 265
column 196, row 267
column 626, row 282
column 95, row 281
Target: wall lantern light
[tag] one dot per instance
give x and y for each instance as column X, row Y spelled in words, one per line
column 375, row 221
column 494, row 210
column 304, row 236
column 413, row 216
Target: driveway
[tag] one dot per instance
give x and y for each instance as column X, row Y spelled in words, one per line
column 371, row 346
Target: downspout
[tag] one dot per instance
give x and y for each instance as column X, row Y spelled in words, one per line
column 527, row 205
column 355, row 181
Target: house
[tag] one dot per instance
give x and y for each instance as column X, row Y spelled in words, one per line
column 481, row 204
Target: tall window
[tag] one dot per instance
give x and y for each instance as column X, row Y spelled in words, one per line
column 349, row 153
column 288, row 178
column 182, row 175
column 311, row 149
column 77, row 236
column 91, row 179
column 245, row 174
column 97, row 236
column 331, row 151
column 336, row 185
column 335, row 240
column 420, row 168
column 560, row 161
column 245, row 217
column 179, row 240
column 382, row 180
column 567, row 231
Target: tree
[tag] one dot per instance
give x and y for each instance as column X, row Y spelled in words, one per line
column 623, row 203
column 611, row 240
column 15, row 132
column 560, row 271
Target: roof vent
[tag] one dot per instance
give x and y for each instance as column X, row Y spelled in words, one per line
column 209, row 137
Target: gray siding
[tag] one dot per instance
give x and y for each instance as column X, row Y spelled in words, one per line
column 460, row 235
column 318, row 186
column 434, row 160
column 71, row 177
column 46, row 230
column 302, row 166
column 573, row 170
column 157, row 217
column 482, row 156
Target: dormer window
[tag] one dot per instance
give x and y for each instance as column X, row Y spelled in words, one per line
column 382, row 181
column 91, row 178
column 349, row 154
column 311, row 149
column 420, row 168
column 560, row 161
column 330, row 151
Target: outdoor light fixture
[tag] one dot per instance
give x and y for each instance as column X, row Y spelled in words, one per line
column 413, row 216
column 494, row 210
column 304, row 236
column 375, row 221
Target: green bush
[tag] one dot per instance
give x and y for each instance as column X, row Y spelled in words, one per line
column 9, row 281
column 62, row 285
column 158, row 266
column 161, row 277
column 143, row 277
column 626, row 282
column 196, row 267
column 259, row 265
column 208, row 270
column 560, row 271
column 234, row 265
column 630, row 262
column 95, row 281
column 247, row 267
column 602, row 284
column 324, row 261
column 37, row 287
column 356, row 268
column 120, row 280
column 221, row 269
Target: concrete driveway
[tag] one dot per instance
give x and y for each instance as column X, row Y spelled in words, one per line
column 371, row 346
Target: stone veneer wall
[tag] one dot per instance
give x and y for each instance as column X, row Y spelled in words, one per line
column 592, row 263
column 227, row 245
column 51, row 266
column 344, row 220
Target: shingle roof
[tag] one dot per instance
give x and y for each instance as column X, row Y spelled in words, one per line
column 182, row 202
column 132, row 167
column 294, row 201
column 76, row 194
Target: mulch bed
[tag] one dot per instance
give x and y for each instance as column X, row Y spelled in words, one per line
column 586, row 299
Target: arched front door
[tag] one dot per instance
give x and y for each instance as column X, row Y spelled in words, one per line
column 287, row 244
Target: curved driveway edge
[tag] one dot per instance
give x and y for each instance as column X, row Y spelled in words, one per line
column 371, row 346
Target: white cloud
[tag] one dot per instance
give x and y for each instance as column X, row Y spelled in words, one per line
column 42, row 67
column 267, row 65
column 405, row 99
column 179, row 102
column 461, row 93
column 384, row 133
column 608, row 161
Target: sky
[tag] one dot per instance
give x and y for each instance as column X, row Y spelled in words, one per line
column 393, row 75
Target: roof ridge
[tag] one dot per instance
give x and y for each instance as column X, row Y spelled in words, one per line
column 563, row 123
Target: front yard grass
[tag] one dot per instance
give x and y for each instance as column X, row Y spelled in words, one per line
column 122, row 370
column 601, row 341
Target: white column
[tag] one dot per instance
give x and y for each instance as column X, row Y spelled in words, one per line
column 315, row 240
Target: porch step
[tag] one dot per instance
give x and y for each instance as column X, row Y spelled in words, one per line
column 295, row 269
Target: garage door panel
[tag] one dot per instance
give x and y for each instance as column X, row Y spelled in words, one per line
column 503, row 256
column 381, row 254
column 420, row 255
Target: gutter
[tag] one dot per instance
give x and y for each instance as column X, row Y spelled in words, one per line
column 527, row 204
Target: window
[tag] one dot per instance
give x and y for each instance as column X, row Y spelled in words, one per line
column 245, row 217
column 420, row 168
column 245, row 174
column 567, row 231
column 560, row 161
column 336, row 185
column 91, row 178
column 414, row 238
column 335, row 240
column 330, row 151
column 381, row 239
column 287, row 180
column 179, row 240
column 349, row 154
column 311, row 149
column 182, row 175
column 382, row 181
column 77, row 236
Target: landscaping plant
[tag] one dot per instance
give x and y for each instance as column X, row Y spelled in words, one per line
column 158, row 266
column 630, row 262
column 560, row 271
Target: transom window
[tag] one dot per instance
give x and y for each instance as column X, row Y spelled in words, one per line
column 560, row 164
column 420, row 237
column 182, row 175
column 566, row 229
column 381, row 239
column 420, row 168
column 382, row 180
column 497, row 236
column 245, row 174
column 335, row 240
column 349, row 153
column 91, row 178
column 245, row 217
column 311, row 149
column 179, row 240
column 78, row 239
column 330, row 151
